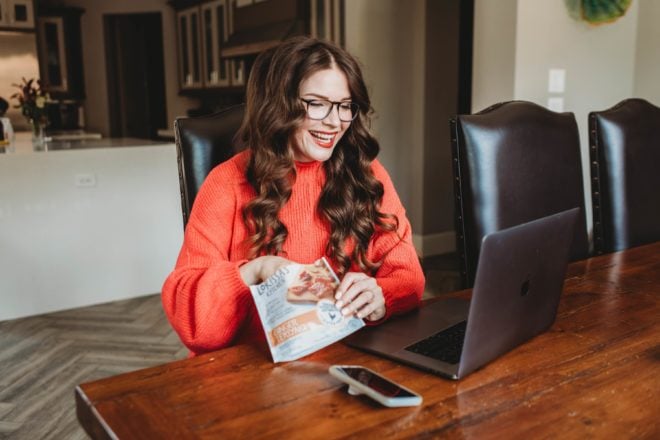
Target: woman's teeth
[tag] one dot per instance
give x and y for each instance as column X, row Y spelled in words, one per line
column 325, row 138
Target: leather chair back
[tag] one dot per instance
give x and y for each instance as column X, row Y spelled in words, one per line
column 202, row 143
column 513, row 162
column 625, row 159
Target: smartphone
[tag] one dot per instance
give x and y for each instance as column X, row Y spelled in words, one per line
column 362, row 380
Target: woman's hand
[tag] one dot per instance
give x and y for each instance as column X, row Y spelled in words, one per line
column 360, row 294
column 261, row 268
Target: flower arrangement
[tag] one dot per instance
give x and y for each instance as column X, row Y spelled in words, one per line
column 32, row 100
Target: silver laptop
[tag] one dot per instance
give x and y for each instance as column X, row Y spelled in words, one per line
column 520, row 276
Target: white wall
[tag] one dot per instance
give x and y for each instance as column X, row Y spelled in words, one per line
column 494, row 52
column 599, row 60
column 96, row 104
column 387, row 36
column 647, row 55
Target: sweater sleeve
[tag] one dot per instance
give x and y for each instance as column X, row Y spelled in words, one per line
column 205, row 297
column 400, row 274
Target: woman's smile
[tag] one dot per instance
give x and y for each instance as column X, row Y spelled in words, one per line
column 323, row 138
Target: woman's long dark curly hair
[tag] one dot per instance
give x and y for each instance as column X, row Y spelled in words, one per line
column 351, row 196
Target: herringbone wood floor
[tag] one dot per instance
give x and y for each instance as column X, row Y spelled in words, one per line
column 43, row 358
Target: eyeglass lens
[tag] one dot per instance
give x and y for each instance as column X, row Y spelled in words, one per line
column 320, row 109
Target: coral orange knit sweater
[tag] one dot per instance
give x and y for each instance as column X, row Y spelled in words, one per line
column 205, row 298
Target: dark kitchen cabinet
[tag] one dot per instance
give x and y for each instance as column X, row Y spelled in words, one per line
column 60, row 52
column 218, row 40
column 215, row 32
column 202, row 32
column 190, row 48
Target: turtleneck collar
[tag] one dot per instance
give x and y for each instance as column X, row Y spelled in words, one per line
column 304, row 167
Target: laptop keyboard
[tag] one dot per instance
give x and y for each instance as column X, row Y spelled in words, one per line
column 444, row 346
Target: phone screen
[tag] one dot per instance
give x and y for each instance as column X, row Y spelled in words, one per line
column 376, row 382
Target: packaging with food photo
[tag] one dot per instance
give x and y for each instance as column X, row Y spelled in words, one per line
column 297, row 309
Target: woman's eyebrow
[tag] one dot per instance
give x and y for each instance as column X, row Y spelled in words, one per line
column 316, row 95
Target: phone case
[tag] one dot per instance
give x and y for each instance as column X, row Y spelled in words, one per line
column 356, row 387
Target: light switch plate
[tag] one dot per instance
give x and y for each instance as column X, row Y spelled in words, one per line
column 556, row 80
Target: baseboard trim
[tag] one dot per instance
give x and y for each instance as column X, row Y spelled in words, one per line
column 434, row 244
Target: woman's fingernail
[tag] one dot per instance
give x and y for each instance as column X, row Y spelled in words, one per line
column 339, row 303
column 345, row 311
column 360, row 315
column 338, row 295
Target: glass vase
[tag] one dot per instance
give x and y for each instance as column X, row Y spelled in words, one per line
column 38, row 136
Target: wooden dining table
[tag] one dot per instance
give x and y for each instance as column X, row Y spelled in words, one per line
column 594, row 374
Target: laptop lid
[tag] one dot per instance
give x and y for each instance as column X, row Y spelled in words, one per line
column 519, row 280
column 517, row 287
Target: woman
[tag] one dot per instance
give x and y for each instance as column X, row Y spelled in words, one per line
column 308, row 186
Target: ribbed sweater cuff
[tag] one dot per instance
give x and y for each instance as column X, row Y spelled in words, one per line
column 230, row 290
column 399, row 298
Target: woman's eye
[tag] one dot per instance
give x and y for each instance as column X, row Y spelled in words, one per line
column 345, row 106
column 316, row 104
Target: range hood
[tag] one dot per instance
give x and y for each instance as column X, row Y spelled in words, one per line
column 255, row 40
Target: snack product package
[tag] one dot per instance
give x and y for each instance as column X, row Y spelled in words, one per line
column 297, row 310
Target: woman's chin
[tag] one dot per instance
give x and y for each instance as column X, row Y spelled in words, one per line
column 324, row 155
column 316, row 153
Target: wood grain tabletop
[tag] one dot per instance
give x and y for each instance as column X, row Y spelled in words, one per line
column 594, row 374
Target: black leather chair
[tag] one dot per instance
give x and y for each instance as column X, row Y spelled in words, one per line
column 513, row 162
column 625, row 181
column 201, row 144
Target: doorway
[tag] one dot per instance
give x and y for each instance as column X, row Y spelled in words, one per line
column 135, row 73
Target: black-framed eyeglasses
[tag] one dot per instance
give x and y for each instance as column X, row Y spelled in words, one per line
column 319, row 109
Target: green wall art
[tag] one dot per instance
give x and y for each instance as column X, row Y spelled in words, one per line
column 597, row 11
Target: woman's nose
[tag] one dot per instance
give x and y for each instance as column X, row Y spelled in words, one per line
column 333, row 116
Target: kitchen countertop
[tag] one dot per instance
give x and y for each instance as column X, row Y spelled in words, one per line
column 23, row 144
column 166, row 133
column 58, row 208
